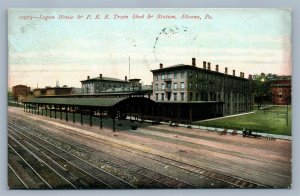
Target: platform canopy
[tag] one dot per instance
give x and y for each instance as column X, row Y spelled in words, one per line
column 78, row 101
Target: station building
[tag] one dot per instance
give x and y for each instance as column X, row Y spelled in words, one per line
column 219, row 93
column 180, row 94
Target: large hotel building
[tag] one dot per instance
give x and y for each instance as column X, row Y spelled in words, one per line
column 191, row 84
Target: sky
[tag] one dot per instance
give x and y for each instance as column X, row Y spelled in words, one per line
column 42, row 51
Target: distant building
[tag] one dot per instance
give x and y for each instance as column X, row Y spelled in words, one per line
column 76, row 91
column 102, row 84
column 281, row 89
column 51, row 91
column 190, row 84
column 20, row 92
column 39, row 92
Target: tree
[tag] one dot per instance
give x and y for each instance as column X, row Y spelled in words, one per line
column 261, row 87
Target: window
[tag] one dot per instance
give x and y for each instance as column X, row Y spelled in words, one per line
column 196, row 75
column 182, row 96
column 175, row 96
column 197, row 96
column 175, row 75
column 163, row 86
column 162, row 76
column 190, row 86
column 196, row 86
column 162, row 96
column 191, row 96
column 182, row 74
column 156, row 87
column 156, row 96
column 156, row 77
column 169, row 86
column 191, row 74
column 169, row 75
column 175, row 85
column 182, row 85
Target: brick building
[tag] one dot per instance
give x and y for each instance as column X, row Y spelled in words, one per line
column 101, row 84
column 20, row 92
column 281, row 89
column 188, row 83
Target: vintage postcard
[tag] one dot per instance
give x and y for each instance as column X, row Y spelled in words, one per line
column 149, row 98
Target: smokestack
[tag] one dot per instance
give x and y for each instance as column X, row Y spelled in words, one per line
column 204, row 64
column 208, row 65
column 250, row 77
column 125, row 78
column 100, row 76
column 88, row 77
column 217, row 68
column 193, row 62
column 161, row 66
column 226, row 70
column 233, row 72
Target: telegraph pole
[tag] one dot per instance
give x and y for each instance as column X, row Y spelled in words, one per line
column 129, row 66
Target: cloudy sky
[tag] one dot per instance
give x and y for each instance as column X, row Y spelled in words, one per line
column 42, row 52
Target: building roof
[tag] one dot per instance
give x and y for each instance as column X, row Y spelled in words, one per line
column 49, row 88
column 184, row 66
column 104, row 79
column 78, row 101
column 20, row 86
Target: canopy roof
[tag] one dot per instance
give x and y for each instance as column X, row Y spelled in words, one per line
column 79, row 101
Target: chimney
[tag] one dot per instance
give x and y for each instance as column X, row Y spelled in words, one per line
column 250, row 77
column 208, row 65
column 100, row 76
column 193, row 62
column 88, row 77
column 241, row 74
column 217, row 68
column 204, row 64
column 125, row 78
column 226, row 70
column 161, row 66
column 233, row 72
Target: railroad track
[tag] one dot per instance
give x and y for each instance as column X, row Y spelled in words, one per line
column 25, row 171
column 163, row 181
column 229, row 180
column 49, row 153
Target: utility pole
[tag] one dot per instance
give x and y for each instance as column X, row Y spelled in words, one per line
column 129, row 67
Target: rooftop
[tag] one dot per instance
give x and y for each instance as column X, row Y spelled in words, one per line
column 100, row 78
column 194, row 67
column 79, row 101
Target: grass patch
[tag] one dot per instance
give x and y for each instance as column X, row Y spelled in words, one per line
column 269, row 120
